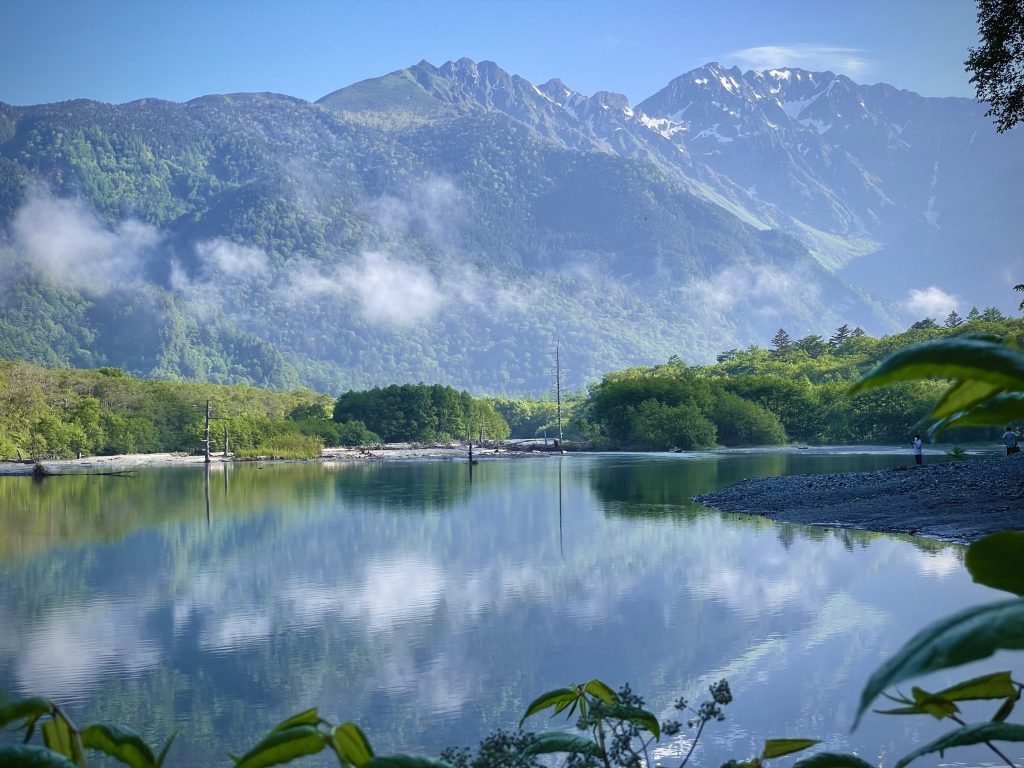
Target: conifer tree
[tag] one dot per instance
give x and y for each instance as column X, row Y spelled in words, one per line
column 842, row 334
column 782, row 341
column 953, row 319
column 973, row 315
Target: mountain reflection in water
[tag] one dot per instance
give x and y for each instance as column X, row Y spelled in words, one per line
column 430, row 604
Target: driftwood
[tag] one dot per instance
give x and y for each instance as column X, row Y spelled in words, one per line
column 39, row 472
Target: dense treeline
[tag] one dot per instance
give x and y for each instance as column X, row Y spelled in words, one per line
column 422, row 413
column 794, row 391
column 58, row 413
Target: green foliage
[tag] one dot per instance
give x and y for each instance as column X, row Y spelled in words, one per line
column 742, row 422
column 956, row 453
column 529, row 418
column 621, row 731
column 421, row 413
column 994, row 560
column 996, row 63
column 58, row 413
column 657, row 426
column 761, row 397
column 282, row 446
column 988, row 379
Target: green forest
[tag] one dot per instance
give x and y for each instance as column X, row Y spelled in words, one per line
column 61, row 413
column 789, row 391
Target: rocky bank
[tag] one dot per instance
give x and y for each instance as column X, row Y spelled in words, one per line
column 957, row 501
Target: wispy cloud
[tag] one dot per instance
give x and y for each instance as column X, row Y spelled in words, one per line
column 388, row 290
column 774, row 291
column 930, row 302
column 847, row 61
column 223, row 257
column 68, row 242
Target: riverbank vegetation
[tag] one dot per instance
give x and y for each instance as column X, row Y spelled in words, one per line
column 790, row 391
column 60, row 413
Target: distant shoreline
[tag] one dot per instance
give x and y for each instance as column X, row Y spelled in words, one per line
column 128, row 462
column 958, row 501
column 950, row 501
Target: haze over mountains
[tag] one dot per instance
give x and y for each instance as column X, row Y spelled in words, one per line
column 447, row 224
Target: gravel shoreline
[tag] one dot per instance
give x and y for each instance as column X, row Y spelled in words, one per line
column 958, row 501
column 128, row 462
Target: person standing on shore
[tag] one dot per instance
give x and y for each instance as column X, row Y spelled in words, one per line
column 1010, row 438
column 918, row 459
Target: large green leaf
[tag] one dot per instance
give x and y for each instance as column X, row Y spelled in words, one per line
column 353, row 744
column 639, row 717
column 950, row 358
column 971, row 634
column 935, row 705
column 309, row 717
column 600, row 690
column 963, row 395
column 281, row 746
column 122, row 744
column 975, row 733
column 406, row 761
column 780, row 747
column 996, row 561
column 25, row 756
column 57, row 736
column 559, row 698
column 1005, row 709
column 996, row 410
column 559, row 741
column 998, row 685
column 832, row 760
column 29, row 709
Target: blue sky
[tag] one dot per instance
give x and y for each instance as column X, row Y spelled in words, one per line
column 119, row 50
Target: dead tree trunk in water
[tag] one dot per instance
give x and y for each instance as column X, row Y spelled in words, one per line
column 558, row 390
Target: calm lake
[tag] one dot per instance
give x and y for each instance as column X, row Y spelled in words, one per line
column 430, row 606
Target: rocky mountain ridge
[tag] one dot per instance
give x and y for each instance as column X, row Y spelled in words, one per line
column 449, row 223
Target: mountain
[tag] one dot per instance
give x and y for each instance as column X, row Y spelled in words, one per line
column 449, row 223
column 907, row 183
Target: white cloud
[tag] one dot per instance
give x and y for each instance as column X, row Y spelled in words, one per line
column 847, row 61
column 433, row 207
column 761, row 290
column 930, row 302
column 69, row 651
column 940, row 564
column 224, row 257
column 68, row 242
column 388, row 290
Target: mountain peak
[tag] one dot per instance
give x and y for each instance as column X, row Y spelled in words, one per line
column 612, row 100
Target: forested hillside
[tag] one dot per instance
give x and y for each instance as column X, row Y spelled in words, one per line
column 262, row 239
column 450, row 224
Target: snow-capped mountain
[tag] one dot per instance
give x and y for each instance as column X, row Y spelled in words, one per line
column 881, row 184
column 446, row 223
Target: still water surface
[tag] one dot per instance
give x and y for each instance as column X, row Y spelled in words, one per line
column 430, row 607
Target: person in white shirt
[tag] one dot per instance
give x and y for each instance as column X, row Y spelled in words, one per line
column 918, row 459
column 1010, row 438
